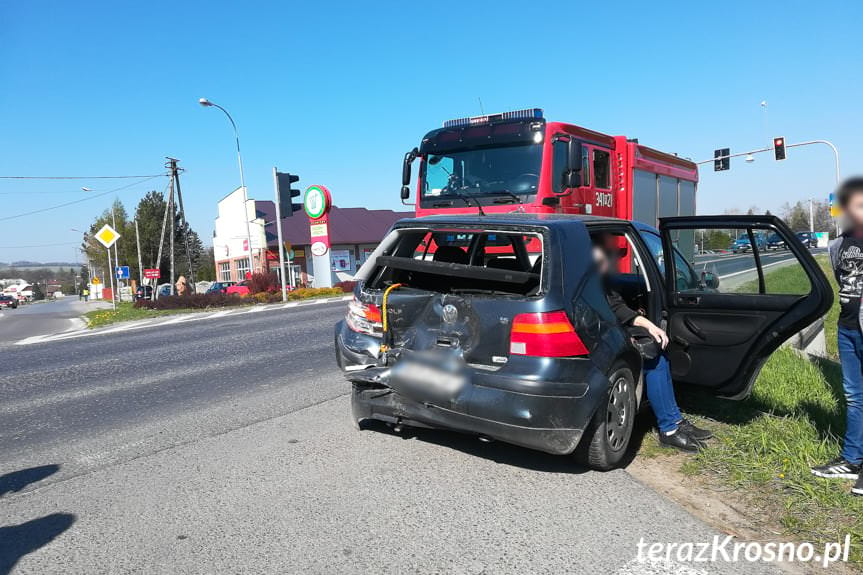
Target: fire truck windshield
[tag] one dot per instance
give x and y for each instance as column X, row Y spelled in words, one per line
column 507, row 174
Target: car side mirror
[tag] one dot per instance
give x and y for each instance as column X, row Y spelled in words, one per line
column 709, row 280
column 572, row 176
column 572, row 179
column 406, row 174
column 406, row 166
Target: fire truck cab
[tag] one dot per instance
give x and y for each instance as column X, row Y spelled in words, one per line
column 520, row 162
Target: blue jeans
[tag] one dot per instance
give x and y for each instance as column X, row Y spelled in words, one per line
column 660, row 392
column 851, row 359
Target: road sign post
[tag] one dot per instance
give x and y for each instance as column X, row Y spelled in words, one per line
column 108, row 236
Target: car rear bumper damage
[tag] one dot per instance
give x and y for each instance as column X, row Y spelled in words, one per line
column 512, row 404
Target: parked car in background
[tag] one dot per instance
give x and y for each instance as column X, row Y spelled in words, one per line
column 240, row 289
column 219, row 287
column 144, row 292
column 775, row 242
column 163, row 290
column 808, row 239
column 8, row 301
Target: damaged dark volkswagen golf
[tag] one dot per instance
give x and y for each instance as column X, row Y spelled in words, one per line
column 499, row 325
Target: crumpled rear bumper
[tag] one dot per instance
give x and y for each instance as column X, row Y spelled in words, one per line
column 550, row 417
column 539, row 403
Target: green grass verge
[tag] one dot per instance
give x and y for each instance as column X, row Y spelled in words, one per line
column 127, row 312
column 766, row 444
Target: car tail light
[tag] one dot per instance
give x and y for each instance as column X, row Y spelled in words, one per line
column 364, row 317
column 548, row 334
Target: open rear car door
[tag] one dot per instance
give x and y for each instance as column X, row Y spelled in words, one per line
column 727, row 312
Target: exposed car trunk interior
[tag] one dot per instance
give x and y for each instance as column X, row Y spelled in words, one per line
column 450, row 283
column 462, row 261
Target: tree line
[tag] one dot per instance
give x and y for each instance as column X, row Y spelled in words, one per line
column 150, row 214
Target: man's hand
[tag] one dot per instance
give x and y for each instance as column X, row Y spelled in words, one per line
column 658, row 334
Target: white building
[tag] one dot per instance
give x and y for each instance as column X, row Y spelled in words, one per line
column 230, row 240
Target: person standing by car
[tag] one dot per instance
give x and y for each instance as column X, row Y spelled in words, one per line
column 674, row 430
column 846, row 257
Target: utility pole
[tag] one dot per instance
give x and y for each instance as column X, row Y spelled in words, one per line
column 175, row 180
column 811, row 217
column 140, row 264
column 170, row 212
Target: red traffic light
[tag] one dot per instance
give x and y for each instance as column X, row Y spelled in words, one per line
column 779, row 148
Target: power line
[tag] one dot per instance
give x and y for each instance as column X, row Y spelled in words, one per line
column 39, row 246
column 77, row 177
column 47, row 192
column 58, row 206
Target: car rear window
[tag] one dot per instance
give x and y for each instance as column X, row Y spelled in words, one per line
column 481, row 261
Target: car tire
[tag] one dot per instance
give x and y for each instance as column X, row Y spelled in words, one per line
column 604, row 444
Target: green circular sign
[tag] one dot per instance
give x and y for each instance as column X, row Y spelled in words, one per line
column 316, row 202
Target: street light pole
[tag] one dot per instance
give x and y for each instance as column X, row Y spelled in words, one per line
column 207, row 103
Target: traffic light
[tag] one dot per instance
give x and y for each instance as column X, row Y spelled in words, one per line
column 721, row 161
column 779, row 148
column 286, row 194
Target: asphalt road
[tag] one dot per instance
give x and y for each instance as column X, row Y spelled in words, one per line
column 226, row 446
column 43, row 318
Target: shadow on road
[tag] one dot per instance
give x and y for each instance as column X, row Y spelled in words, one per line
column 503, row 453
column 19, row 540
column 18, row 480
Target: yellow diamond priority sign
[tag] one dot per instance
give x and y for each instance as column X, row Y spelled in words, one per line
column 107, row 236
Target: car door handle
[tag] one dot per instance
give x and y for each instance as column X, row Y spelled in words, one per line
column 690, row 325
column 690, row 299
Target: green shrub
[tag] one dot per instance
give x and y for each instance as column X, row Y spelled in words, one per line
column 304, row 293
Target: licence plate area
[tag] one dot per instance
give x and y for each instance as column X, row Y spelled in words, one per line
column 433, row 375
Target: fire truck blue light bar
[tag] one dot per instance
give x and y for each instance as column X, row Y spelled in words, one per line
column 525, row 114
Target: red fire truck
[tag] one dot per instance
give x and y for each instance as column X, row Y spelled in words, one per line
column 519, row 161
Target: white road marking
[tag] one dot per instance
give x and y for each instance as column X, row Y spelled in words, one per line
column 176, row 320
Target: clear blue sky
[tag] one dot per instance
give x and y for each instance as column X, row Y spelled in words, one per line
column 337, row 92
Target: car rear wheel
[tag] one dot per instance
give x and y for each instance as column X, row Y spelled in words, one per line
column 604, row 444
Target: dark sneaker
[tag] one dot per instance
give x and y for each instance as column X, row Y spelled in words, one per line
column 837, row 469
column 680, row 440
column 689, row 429
column 858, row 487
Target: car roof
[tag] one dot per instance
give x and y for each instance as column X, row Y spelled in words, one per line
column 549, row 220
column 511, row 219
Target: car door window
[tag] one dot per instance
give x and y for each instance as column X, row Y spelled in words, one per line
column 601, row 169
column 560, row 164
column 737, row 260
column 685, row 278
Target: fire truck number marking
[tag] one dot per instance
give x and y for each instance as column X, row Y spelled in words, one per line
column 604, row 199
